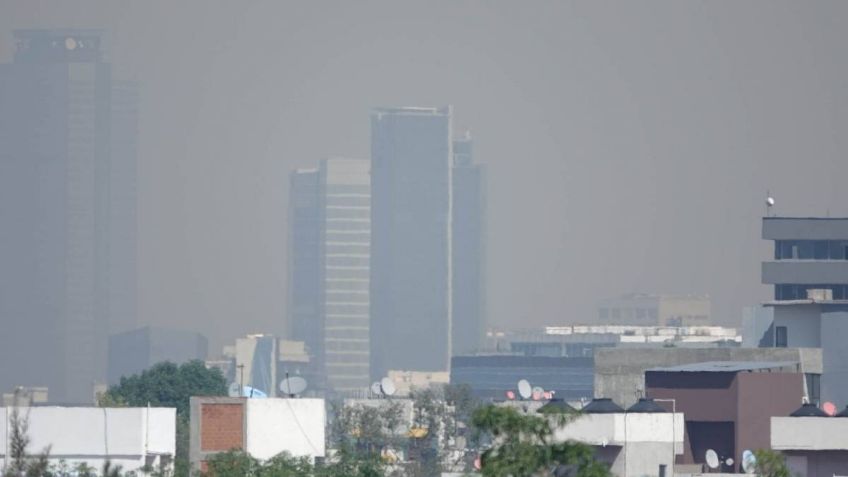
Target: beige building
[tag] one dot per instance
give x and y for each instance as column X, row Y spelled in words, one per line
column 652, row 310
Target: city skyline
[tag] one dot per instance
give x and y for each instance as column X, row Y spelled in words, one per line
column 650, row 157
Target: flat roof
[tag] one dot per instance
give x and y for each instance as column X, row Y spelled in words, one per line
column 804, row 218
column 725, row 366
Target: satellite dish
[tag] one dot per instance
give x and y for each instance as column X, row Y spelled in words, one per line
column 538, row 393
column 712, row 459
column 829, row 408
column 770, row 201
column 729, row 461
column 510, row 395
column 524, row 389
column 375, row 388
column 388, row 386
column 293, row 385
column 749, row 462
column 233, row 390
column 250, row 392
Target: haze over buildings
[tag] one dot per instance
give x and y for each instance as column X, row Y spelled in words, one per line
column 628, row 146
column 67, row 209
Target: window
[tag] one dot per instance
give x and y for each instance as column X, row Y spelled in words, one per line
column 813, row 387
column 781, row 337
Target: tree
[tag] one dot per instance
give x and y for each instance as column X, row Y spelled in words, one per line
column 523, row 445
column 771, row 464
column 19, row 462
column 169, row 385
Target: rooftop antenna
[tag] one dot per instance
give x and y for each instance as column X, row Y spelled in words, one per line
column 769, row 203
column 524, row 389
column 538, row 393
column 375, row 388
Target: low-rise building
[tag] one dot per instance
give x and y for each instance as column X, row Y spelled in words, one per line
column 261, row 427
column 407, row 381
column 620, row 372
column 728, row 405
column 813, row 446
column 491, row 377
column 133, row 438
column 633, row 444
column 651, row 310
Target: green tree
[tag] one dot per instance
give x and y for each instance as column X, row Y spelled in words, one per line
column 523, row 445
column 771, row 464
column 169, row 385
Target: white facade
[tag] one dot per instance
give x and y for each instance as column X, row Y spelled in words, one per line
column 633, row 444
column 809, row 433
column 128, row 437
column 295, row 426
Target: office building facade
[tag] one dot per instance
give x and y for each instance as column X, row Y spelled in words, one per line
column 330, row 279
column 468, row 249
column 411, row 290
column 67, row 209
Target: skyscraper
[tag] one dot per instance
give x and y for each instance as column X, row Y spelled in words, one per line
column 468, row 248
column 411, row 154
column 67, row 213
column 329, row 281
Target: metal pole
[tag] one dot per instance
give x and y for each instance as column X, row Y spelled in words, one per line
column 673, row 430
column 241, row 379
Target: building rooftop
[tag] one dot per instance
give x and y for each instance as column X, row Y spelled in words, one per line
column 725, row 366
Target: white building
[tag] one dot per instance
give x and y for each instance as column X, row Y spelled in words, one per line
column 262, row 427
column 633, row 444
column 813, row 446
column 128, row 437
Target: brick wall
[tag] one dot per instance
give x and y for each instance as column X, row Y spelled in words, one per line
column 221, row 426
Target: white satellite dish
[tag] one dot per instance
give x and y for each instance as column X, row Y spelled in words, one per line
column 293, row 385
column 234, row 390
column 375, row 388
column 729, row 461
column 749, row 462
column 388, row 386
column 712, row 459
column 524, row 389
column 770, row 201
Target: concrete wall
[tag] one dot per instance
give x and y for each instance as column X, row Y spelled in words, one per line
column 262, row 427
column 634, row 445
column 620, row 372
column 94, row 435
column 809, row 433
column 295, row 426
column 805, row 271
column 834, row 334
column 802, row 322
column 817, row 463
column 804, row 228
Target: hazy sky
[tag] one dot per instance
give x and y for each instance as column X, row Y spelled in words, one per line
column 629, row 144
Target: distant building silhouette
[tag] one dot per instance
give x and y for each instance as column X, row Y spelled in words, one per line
column 330, row 271
column 67, row 212
column 468, row 250
column 411, row 154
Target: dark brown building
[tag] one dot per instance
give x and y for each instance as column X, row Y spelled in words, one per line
column 727, row 405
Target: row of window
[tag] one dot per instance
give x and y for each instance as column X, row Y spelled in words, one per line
column 811, row 250
column 799, row 292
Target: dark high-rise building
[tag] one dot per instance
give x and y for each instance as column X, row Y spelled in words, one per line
column 67, row 212
column 468, row 248
column 411, row 154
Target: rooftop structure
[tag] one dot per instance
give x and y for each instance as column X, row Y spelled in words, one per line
column 813, row 446
column 652, row 310
column 131, row 438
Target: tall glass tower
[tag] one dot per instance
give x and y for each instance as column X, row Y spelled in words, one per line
column 411, row 154
column 67, row 213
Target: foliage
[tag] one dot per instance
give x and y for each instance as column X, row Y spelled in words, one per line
column 523, row 445
column 237, row 463
column 19, row 462
column 169, row 385
column 771, row 464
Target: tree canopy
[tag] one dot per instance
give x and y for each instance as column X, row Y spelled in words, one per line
column 523, row 446
column 167, row 385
